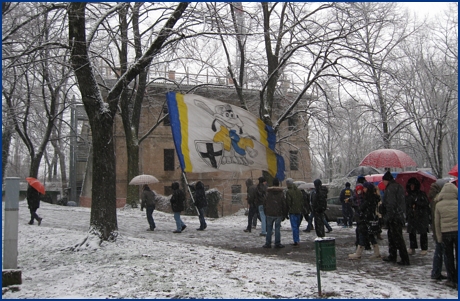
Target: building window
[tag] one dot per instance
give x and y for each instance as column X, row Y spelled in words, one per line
column 294, row 160
column 236, row 194
column 168, row 159
column 166, row 121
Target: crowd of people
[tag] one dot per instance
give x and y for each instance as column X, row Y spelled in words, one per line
column 372, row 207
column 387, row 205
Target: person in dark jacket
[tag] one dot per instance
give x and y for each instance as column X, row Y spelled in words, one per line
column 393, row 204
column 251, row 198
column 356, row 201
column 367, row 217
column 201, row 203
column 275, row 209
column 316, row 197
column 417, row 216
column 148, row 202
column 33, row 200
column 177, row 205
column 294, row 201
column 261, row 194
column 346, row 197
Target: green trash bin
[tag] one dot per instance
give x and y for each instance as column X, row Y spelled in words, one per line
column 325, row 253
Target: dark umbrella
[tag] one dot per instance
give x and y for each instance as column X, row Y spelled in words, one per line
column 362, row 171
column 424, row 178
column 387, row 157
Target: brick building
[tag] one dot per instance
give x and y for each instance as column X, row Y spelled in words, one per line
column 158, row 157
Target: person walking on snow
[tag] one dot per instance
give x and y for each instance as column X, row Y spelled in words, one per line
column 318, row 206
column 261, row 194
column 417, row 216
column 251, row 198
column 367, row 211
column 148, row 202
column 275, row 209
column 346, row 196
column 446, row 220
column 393, row 204
column 294, row 201
column 33, row 200
column 177, row 205
column 201, row 203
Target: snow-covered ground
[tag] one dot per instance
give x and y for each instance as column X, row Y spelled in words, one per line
column 193, row 264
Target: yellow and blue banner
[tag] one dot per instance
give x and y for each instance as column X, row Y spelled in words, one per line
column 210, row 136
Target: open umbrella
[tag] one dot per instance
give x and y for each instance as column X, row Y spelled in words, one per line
column 36, row 184
column 306, row 186
column 454, row 171
column 363, row 170
column 387, row 157
column 143, row 179
column 424, row 178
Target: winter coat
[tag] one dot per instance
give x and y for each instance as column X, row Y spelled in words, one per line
column 306, row 208
column 357, row 200
column 435, row 189
column 251, row 193
column 393, row 203
column 346, row 193
column 318, row 196
column 33, row 198
column 260, row 194
column 446, row 213
column 368, row 206
column 417, row 208
column 200, row 196
column 275, row 202
column 294, row 200
column 148, row 198
column 177, row 198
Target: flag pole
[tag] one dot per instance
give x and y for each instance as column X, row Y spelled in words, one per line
column 190, row 191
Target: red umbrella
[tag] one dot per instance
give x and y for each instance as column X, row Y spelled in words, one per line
column 374, row 178
column 454, row 171
column 36, row 184
column 424, row 178
column 387, row 157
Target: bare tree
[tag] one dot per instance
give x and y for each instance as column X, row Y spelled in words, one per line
column 101, row 112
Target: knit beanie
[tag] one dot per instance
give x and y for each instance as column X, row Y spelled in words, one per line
column 369, row 185
column 387, row 176
column 347, row 184
column 317, row 183
column 262, row 180
column 359, row 187
column 289, row 181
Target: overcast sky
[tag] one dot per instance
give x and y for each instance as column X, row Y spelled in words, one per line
column 424, row 8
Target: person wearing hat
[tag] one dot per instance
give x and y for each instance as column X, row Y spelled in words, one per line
column 177, row 205
column 367, row 225
column 417, row 216
column 394, row 203
column 294, row 201
column 345, row 198
column 318, row 206
column 261, row 194
column 275, row 210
